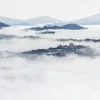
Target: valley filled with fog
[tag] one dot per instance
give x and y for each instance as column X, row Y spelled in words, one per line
column 74, row 76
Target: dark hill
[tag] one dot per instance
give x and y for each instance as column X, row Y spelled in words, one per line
column 3, row 25
column 66, row 26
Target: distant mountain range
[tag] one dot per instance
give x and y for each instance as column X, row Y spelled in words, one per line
column 33, row 21
column 42, row 20
column 10, row 21
column 91, row 20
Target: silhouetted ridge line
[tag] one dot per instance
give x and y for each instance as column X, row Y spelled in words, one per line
column 80, row 40
column 63, row 50
column 5, row 36
column 66, row 26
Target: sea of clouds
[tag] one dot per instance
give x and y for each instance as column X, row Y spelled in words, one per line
column 42, row 77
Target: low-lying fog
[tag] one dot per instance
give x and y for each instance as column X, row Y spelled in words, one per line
column 71, row 77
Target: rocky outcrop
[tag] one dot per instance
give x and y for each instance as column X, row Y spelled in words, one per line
column 63, row 50
column 3, row 25
column 54, row 27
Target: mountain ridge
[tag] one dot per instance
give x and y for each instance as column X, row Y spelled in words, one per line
column 31, row 21
column 90, row 20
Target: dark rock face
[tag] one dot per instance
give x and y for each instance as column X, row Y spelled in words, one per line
column 3, row 25
column 62, row 50
column 67, row 26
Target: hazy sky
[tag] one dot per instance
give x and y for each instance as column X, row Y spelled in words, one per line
column 60, row 9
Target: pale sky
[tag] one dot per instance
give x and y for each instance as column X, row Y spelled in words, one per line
column 59, row 9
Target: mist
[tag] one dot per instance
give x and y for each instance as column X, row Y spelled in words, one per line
column 42, row 77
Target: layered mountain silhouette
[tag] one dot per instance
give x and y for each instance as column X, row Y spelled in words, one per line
column 10, row 21
column 91, row 20
column 42, row 20
column 33, row 21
